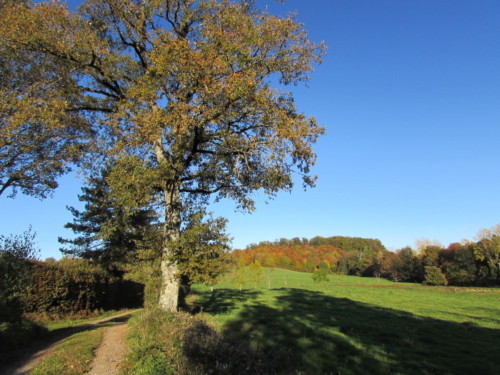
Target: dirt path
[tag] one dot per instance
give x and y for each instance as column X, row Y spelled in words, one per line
column 32, row 356
column 111, row 352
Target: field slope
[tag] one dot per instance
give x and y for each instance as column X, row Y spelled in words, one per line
column 352, row 325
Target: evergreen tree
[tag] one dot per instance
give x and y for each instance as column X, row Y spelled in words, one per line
column 107, row 232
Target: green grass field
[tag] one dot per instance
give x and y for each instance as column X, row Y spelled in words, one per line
column 352, row 325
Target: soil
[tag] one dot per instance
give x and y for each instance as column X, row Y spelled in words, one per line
column 108, row 356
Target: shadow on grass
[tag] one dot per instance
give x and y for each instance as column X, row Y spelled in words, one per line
column 222, row 301
column 307, row 332
column 13, row 362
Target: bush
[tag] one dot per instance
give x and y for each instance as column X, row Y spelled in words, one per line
column 16, row 252
column 434, row 276
column 148, row 273
column 15, row 273
column 320, row 275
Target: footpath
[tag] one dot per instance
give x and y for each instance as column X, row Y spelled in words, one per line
column 107, row 360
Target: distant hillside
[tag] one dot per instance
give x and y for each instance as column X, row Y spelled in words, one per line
column 343, row 254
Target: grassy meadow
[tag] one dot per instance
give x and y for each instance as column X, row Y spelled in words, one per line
column 350, row 325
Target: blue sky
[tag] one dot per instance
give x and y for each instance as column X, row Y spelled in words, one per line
column 410, row 96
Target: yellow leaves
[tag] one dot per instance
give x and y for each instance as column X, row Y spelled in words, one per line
column 15, row 112
column 132, row 182
column 189, row 77
column 34, row 25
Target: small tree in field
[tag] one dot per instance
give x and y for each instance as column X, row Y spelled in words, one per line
column 320, row 275
column 182, row 90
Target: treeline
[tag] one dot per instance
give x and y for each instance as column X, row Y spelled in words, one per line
column 351, row 255
column 340, row 242
column 469, row 263
column 461, row 264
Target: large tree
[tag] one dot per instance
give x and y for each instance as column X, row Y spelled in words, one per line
column 192, row 90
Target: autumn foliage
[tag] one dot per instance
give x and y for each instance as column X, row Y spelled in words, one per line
column 468, row 263
column 292, row 257
column 192, row 94
column 343, row 254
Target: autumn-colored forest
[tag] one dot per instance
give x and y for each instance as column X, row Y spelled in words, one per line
column 305, row 255
column 468, row 263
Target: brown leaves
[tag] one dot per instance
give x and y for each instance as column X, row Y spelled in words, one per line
column 188, row 82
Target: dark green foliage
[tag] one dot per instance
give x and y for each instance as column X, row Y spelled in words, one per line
column 487, row 251
column 410, row 267
column 460, row 265
column 202, row 249
column 432, row 255
column 108, row 232
column 343, row 243
column 73, row 286
column 434, row 276
column 16, row 253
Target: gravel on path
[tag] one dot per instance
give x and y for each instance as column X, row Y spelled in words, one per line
column 111, row 352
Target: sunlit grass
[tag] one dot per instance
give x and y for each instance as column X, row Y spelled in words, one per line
column 72, row 357
column 350, row 324
column 75, row 322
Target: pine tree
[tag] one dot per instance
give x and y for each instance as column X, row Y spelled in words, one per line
column 107, row 232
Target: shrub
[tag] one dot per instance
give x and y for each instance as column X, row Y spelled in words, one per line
column 320, row 275
column 434, row 276
column 16, row 251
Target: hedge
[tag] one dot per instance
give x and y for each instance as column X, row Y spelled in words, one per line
column 66, row 291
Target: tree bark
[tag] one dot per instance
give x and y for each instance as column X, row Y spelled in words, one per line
column 169, row 293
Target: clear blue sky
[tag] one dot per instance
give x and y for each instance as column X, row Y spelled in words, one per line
column 410, row 96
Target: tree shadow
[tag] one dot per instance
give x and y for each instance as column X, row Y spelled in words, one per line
column 222, row 301
column 307, row 332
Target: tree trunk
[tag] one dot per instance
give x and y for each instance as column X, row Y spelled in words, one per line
column 169, row 292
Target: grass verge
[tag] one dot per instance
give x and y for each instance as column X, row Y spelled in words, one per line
column 72, row 357
column 177, row 343
column 52, row 323
column 15, row 334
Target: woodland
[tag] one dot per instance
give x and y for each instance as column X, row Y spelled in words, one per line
column 467, row 263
